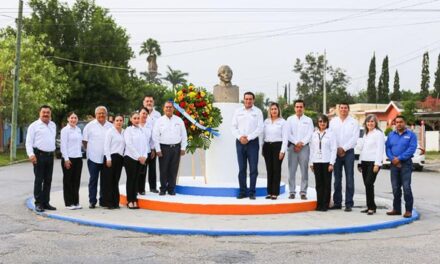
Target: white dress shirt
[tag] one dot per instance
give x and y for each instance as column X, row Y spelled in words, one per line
column 94, row 134
column 148, row 130
column 328, row 150
column 347, row 132
column 153, row 116
column 247, row 122
column 274, row 132
column 372, row 147
column 41, row 136
column 299, row 129
column 71, row 142
column 114, row 143
column 169, row 131
column 136, row 143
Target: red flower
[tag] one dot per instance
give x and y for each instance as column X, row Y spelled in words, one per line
column 184, row 91
column 182, row 104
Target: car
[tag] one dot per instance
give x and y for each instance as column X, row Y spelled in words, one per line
column 81, row 125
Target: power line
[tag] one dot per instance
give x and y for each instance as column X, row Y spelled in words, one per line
column 90, row 64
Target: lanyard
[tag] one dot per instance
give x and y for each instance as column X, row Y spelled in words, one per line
column 320, row 140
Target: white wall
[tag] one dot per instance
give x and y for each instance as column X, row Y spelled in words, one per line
column 432, row 141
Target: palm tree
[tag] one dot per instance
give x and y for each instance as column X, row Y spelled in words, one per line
column 152, row 48
column 175, row 77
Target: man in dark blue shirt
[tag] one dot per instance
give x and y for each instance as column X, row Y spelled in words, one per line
column 400, row 147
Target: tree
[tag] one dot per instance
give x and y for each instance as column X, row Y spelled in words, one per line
column 259, row 102
column 175, row 77
column 396, row 95
column 152, row 48
column 86, row 33
column 424, row 85
column 437, row 79
column 371, row 87
column 383, row 89
column 310, row 85
column 41, row 82
column 361, row 97
column 409, row 108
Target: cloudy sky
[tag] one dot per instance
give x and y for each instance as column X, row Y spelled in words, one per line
column 260, row 40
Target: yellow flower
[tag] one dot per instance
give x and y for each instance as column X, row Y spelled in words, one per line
column 193, row 116
column 210, row 119
column 191, row 87
column 192, row 94
column 207, row 111
column 193, row 127
column 202, row 94
column 180, row 98
column 190, row 137
column 206, row 133
column 201, row 122
column 179, row 93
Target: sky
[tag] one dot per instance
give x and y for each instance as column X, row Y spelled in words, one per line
column 260, row 40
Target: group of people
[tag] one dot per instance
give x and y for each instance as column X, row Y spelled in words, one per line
column 109, row 149
column 326, row 150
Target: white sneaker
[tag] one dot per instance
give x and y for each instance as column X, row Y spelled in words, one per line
column 71, row 207
column 78, row 206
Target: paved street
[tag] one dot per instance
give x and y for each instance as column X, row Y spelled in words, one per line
column 28, row 238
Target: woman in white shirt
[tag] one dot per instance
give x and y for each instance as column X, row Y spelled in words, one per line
column 273, row 149
column 147, row 125
column 114, row 145
column 136, row 152
column 71, row 162
column 323, row 150
column 372, row 147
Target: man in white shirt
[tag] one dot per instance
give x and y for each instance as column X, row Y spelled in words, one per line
column 153, row 115
column 170, row 139
column 346, row 130
column 299, row 130
column 40, row 145
column 247, row 126
column 93, row 140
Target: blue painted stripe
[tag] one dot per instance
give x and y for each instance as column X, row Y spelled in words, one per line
column 220, row 191
column 168, row 231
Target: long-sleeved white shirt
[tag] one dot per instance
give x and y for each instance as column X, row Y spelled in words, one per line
column 328, row 150
column 41, row 136
column 114, row 143
column 71, row 142
column 372, row 147
column 169, row 131
column 148, row 130
column 247, row 122
column 153, row 116
column 94, row 134
column 347, row 132
column 274, row 132
column 299, row 129
column 136, row 143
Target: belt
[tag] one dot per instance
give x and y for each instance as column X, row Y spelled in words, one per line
column 43, row 153
column 170, row 145
column 274, row 142
column 290, row 144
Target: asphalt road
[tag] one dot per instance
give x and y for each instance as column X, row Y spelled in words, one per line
column 28, row 238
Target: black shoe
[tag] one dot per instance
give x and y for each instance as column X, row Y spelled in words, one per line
column 92, row 206
column 274, row 197
column 172, row 193
column 154, row 191
column 292, row 196
column 348, row 209
column 241, row 196
column 142, row 193
column 269, row 196
column 252, row 197
column 161, row 193
column 335, row 207
column 364, row 211
column 39, row 209
column 49, row 207
column 303, row 197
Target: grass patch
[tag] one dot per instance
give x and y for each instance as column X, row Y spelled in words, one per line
column 4, row 157
column 432, row 155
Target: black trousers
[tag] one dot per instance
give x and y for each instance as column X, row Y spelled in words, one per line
column 169, row 165
column 271, row 152
column 323, row 180
column 369, row 179
column 132, row 168
column 149, row 167
column 72, row 181
column 110, row 181
column 43, row 177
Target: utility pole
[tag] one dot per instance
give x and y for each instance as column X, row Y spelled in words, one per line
column 289, row 94
column 13, row 154
column 324, row 98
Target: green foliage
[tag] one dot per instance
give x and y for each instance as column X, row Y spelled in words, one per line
column 361, row 97
column 424, row 85
column 41, row 82
column 371, row 87
column 388, row 130
column 397, row 94
column 383, row 89
column 175, row 77
column 150, row 47
column 437, row 79
column 85, row 32
column 260, row 103
column 310, row 85
column 409, row 108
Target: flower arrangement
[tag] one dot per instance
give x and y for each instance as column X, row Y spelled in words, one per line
column 197, row 103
